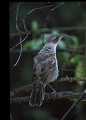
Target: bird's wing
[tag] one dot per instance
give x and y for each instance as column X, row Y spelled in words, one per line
column 42, row 70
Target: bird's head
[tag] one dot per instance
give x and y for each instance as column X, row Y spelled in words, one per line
column 55, row 38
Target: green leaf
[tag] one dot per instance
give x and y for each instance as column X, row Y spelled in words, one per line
column 27, row 45
column 34, row 25
column 36, row 44
column 62, row 44
column 55, row 31
column 75, row 40
column 75, row 59
column 80, row 71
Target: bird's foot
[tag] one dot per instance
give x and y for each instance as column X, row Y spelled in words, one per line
column 54, row 93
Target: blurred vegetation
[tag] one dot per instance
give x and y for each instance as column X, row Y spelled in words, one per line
column 70, row 14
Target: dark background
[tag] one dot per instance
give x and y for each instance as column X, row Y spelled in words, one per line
column 69, row 18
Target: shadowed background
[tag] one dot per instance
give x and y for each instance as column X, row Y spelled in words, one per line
column 69, row 18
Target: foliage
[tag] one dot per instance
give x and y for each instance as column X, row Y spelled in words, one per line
column 68, row 15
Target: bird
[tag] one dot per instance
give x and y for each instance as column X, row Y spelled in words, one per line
column 45, row 69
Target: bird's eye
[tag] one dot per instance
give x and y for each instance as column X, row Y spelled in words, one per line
column 55, row 39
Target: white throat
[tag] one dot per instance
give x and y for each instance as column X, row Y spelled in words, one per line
column 52, row 45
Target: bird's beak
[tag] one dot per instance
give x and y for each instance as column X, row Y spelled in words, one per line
column 64, row 36
column 61, row 37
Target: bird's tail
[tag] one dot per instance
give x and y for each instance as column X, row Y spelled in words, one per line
column 37, row 96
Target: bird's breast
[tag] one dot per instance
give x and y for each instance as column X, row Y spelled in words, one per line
column 55, row 72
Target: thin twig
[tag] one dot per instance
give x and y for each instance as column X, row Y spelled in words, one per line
column 24, row 21
column 57, row 6
column 73, row 105
column 44, row 27
column 25, row 26
column 58, row 95
column 47, row 19
column 19, row 36
column 29, row 14
column 15, row 6
column 70, row 57
column 14, row 31
column 19, row 42
column 60, row 28
column 19, row 54
column 11, row 118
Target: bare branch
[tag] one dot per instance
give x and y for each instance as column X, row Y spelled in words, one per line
column 37, row 9
column 24, row 22
column 57, row 6
column 28, row 88
column 73, row 105
column 58, row 95
column 11, row 117
column 19, row 35
column 25, row 26
column 15, row 6
column 19, row 54
column 59, row 28
column 70, row 57
column 28, row 13
column 71, row 79
column 19, row 42
column 47, row 19
column 14, row 32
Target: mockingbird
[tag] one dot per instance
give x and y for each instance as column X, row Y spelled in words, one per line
column 45, row 70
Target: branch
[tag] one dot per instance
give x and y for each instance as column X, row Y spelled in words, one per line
column 71, row 79
column 15, row 6
column 19, row 33
column 70, row 57
column 11, row 117
column 14, row 32
column 19, row 36
column 28, row 88
column 73, row 105
column 50, row 30
column 58, row 95
column 47, row 19
column 19, row 42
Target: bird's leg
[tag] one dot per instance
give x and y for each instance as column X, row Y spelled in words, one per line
column 54, row 91
column 51, row 87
